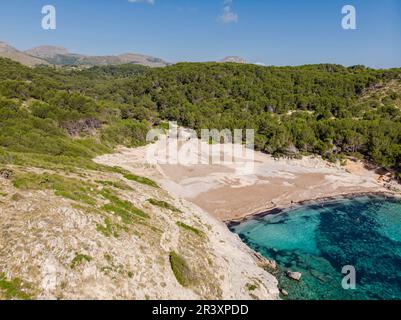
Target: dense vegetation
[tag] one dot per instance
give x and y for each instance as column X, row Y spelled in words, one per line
column 325, row 109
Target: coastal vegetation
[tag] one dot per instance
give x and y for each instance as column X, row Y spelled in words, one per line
column 180, row 269
column 124, row 209
column 163, row 204
column 69, row 188
column 54, row 121
column 13, row 289
column 142, row 180
column 189, row 228
column 61, row 116
column 79, row 259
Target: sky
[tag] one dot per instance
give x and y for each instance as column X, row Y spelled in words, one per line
column 270, row 32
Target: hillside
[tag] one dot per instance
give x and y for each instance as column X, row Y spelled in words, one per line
column 69, row 233
column 74, row 228
column 9, row 52
column 47, row 52
column 383, row 94
column 315, row 109
column 320, row 109
column 93, row 231
column 60, row 56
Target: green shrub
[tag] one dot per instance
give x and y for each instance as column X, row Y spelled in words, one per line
column 13, row 289
column 128, row 132
column 116, row 184
column 124, row 209
column 69, row 188
column 109, row 228
column 180, row 269
column 44, row 161
column 132, row 177
column 251, row 287
column 79, row 259
column 189, row 228
column 141, row 180
column 163, row 204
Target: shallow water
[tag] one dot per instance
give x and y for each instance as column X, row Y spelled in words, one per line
column 318, row 240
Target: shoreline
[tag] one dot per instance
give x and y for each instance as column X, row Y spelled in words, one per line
column 230, row 195
column 225, row 197
column 280, row 209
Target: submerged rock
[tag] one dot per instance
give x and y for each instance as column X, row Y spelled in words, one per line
column 284, row 292
column 269, row 264
column 265, row 263
column 294, row 275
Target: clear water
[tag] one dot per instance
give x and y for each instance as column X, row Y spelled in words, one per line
column 318, row 240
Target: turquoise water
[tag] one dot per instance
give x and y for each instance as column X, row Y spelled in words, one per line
column 318, row 240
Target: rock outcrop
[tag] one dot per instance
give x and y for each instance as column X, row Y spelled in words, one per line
column 63, row 245
column 294, row 275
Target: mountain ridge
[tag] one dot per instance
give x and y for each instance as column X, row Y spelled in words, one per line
column 60, row 56
column 8, row 51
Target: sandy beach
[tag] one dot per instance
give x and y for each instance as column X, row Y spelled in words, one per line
column 229, row 193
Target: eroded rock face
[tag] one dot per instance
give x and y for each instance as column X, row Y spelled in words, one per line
column 6, row 173
column 265, row 263
column 87, row 126
column 58, row 248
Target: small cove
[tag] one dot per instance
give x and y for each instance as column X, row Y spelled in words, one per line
column 318, row 239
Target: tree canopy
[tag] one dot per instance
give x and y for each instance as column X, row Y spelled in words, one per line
column 325, row 109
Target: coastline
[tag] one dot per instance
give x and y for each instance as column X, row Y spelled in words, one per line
column 280, row 209
column 316, row 255
column 229, row 195
column 222, row 195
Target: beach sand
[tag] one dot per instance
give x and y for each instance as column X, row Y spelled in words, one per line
column 229, row 193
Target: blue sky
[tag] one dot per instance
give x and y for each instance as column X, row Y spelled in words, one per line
column 273, row 32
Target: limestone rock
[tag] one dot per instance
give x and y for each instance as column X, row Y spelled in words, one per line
column 284, row 292
column 294, row 275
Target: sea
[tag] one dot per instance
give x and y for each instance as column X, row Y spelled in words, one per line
column 346, row 249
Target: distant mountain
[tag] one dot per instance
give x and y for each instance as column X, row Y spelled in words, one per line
column 62, row 57
column 47, row 52
column 7, row 51
column 234, row 59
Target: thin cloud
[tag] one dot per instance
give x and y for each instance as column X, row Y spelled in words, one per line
column 152, row 2
column 228, row 16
